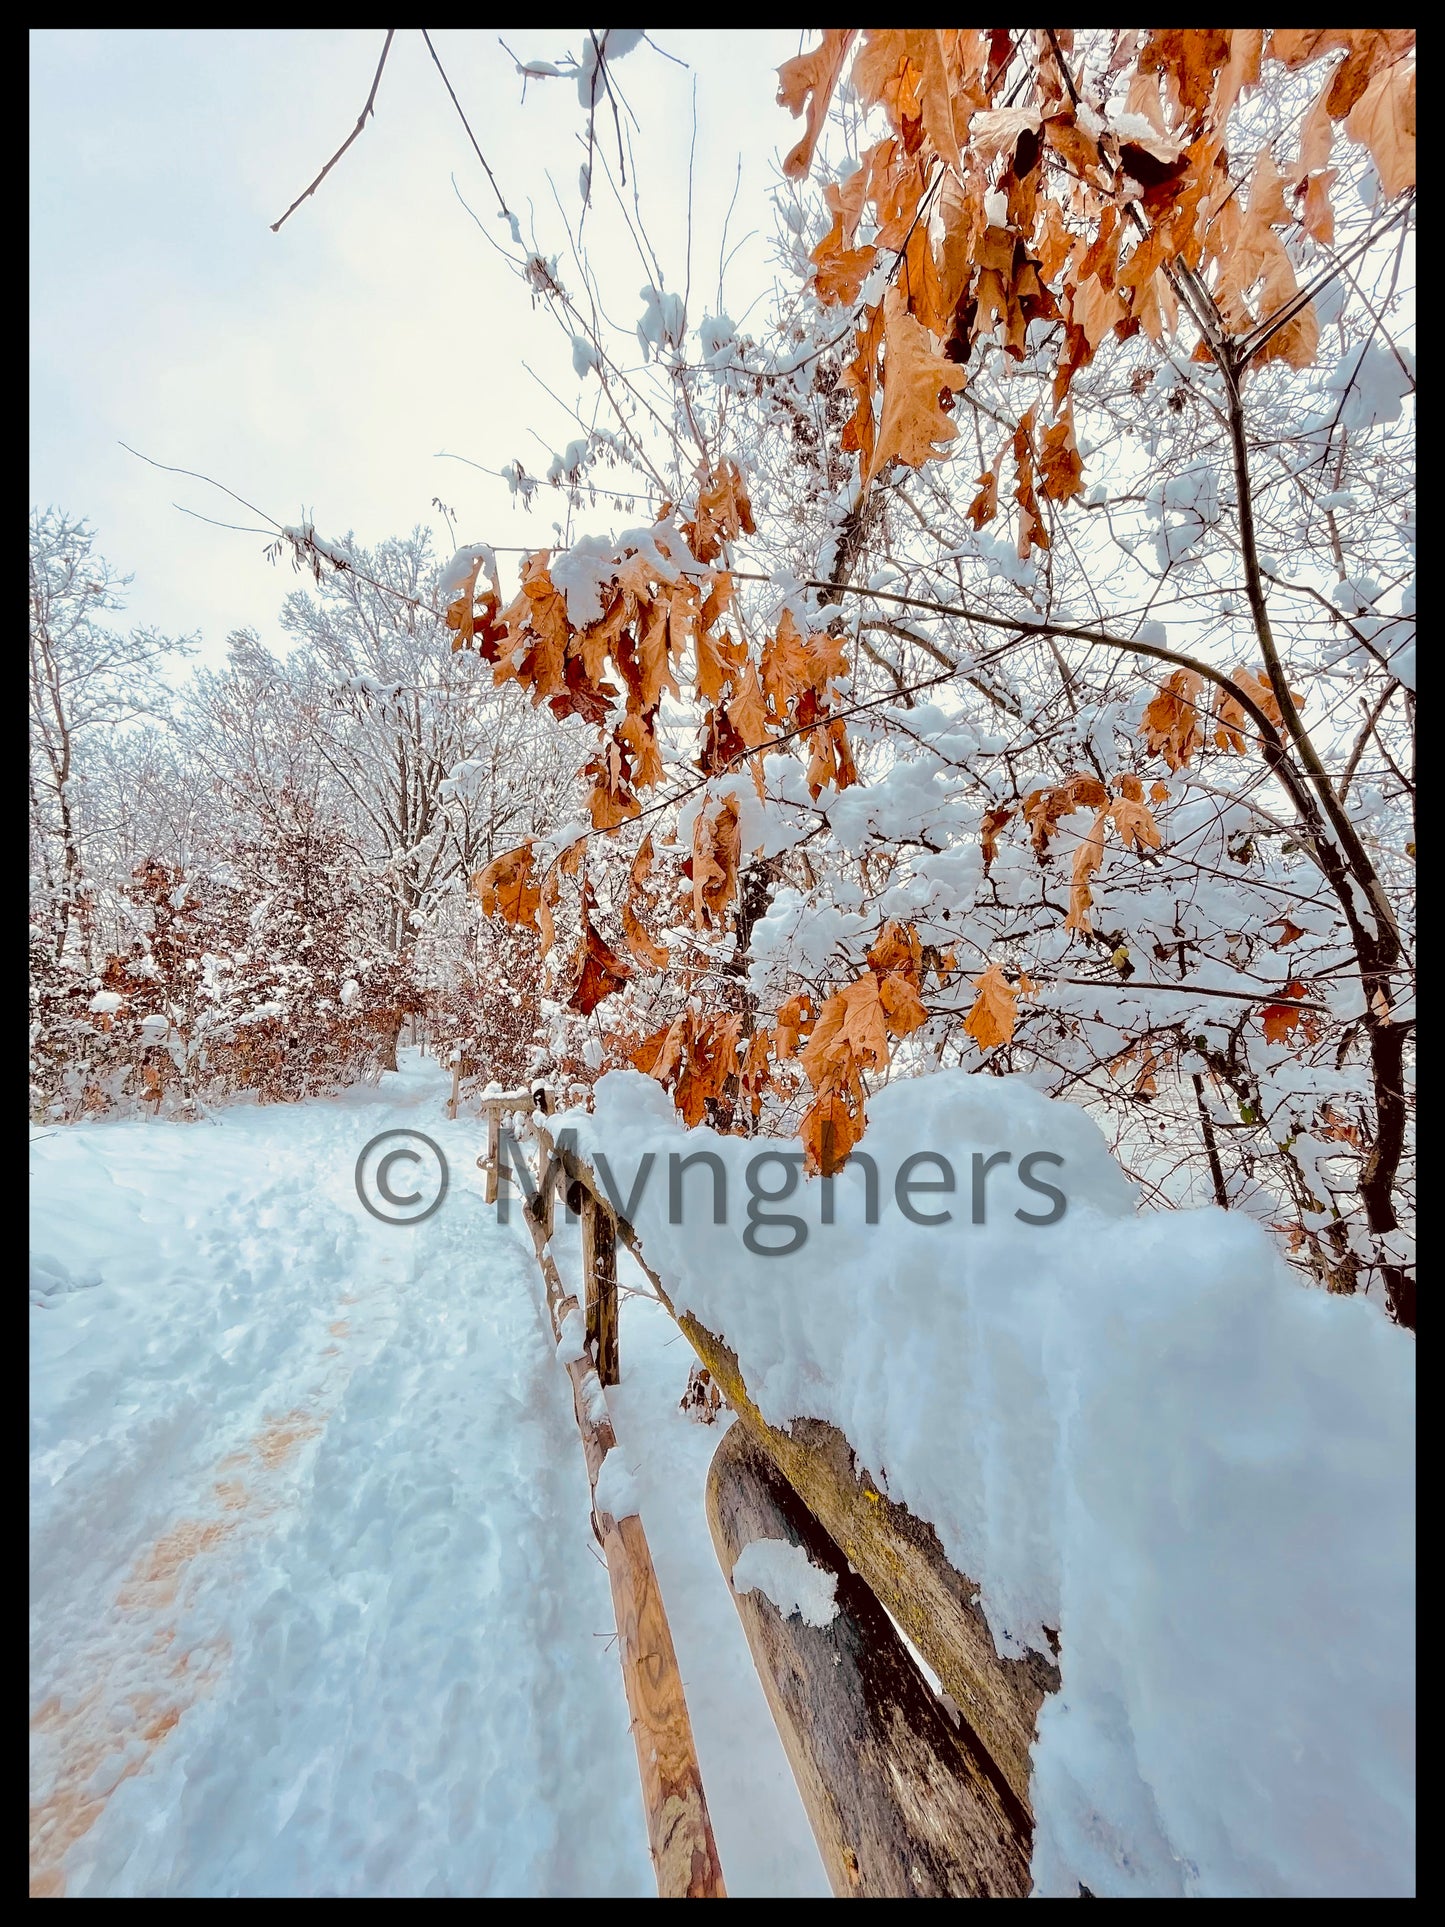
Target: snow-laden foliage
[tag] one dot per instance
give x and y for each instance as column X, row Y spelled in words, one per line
column 1017, row 668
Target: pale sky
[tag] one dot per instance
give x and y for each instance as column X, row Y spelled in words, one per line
column 320, row 370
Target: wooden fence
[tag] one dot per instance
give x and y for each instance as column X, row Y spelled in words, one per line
column 684, row 1853
column 909, row 1793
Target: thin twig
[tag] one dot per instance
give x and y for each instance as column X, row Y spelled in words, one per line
column 1129, row 986
column 501, row 202
column 362, row 119
column 241, row 528
column 196, row 476
column 612, row 97
column 1372, row 716
column 663, row 51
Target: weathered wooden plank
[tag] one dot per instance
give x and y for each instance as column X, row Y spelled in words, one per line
column 679, row 1831
column 901, row 1559
column 593, row 1421
column 903, row 1802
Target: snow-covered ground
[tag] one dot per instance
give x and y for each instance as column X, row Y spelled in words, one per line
column 315, row 1605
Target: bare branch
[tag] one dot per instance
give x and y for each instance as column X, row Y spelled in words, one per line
column 361, row 121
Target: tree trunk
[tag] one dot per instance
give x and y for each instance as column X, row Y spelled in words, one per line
column 387, row 1053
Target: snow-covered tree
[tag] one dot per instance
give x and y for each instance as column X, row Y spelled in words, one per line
column 1021, row 648
column 87, row 681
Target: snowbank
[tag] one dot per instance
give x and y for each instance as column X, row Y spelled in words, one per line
column 1135, row 1428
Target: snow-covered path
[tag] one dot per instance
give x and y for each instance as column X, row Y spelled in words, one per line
column 315, row 1606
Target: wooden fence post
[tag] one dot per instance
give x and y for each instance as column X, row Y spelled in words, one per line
column 494, row 1147
column 541, row 1206
column 599, row 1273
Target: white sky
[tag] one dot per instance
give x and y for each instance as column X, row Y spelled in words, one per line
column 322, row 368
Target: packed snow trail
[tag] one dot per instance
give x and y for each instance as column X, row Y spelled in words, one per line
column 315, row 1608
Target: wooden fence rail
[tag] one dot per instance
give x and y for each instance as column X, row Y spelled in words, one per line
column 980, row 1775
column 903, row 1800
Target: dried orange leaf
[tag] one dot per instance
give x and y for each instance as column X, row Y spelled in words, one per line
column 806, row 83
column 994, row 1012
column 912, row 424
column 507, row 888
